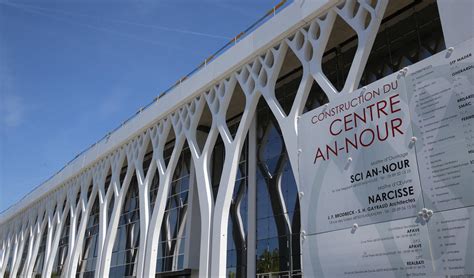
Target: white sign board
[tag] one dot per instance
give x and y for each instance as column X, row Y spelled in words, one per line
column 401, row 248
column 371, row 160
column 442, row 110
column 358, row 163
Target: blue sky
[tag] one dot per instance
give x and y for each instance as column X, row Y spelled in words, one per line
column 70, row 71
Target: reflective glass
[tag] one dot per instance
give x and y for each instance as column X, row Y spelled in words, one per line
column 172, row 236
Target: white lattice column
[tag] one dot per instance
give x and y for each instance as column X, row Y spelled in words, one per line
column 11, row 252
column 201, row 160
column 309, row 45
column 74, row 210
column 252, row 200
column 115, row 162
column 52, row 213
column 304, row 45
column 99, row 175
column 3, row 250
column 2, row 253
column 4, row 246
column 34, row 231
column 120, row 191
column 233, row 148
column 265, row 71
column 12, row 244
column 266, row 77
column 83, row 208
column 104, row 201
column 58, row 222
column 143, row 180
column 366, row 23
column 35, row 244
column 159, row 135
column 16, row 249
column 7, row 246
column 24, row 235
column 85, row 205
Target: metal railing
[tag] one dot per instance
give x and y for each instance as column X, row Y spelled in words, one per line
column 280, row 274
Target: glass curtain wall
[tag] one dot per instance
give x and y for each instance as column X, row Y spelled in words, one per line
column 88, row 260
column 237, row 229
column 63, row 247
column 172, row 236
column 9, row 264
column 39, row 262
column 24, row 255
column 405, row 37
column 278, row 224
column 125, row 250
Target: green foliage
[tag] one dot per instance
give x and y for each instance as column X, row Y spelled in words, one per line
column 268, row 262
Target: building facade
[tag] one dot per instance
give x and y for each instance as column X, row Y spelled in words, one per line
column 206, row 180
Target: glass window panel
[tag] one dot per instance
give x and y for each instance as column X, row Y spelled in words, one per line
column 272, row 228
column 184, row 197
column 159, row 264
column 262, row 247
column 262, row 228
column 273, row 245
column 181, row 245
column 231, row 272
column 180, row 261
column 231, row 258
column 175, row 209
